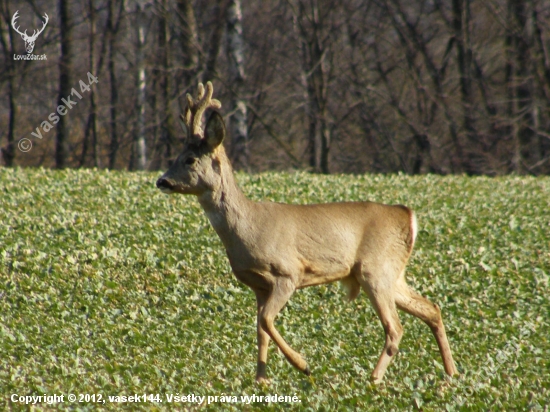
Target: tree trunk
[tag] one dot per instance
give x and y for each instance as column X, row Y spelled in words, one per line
column 6, row 37
column 140, row 158
column 526, row 151
column 164, row 120
column 542, row 70
column 235, row 55
column 9, row 152
column 315, row 78
column 93, row 108
column 461, row 23
column 61, row 144
column 215, row 40
column 112, row 28
column 189, row 37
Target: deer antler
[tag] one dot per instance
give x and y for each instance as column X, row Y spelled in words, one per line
column 14, row 18
column 192, row 118
column 35, row 33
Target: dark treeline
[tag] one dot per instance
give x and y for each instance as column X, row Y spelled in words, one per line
column 456, row 86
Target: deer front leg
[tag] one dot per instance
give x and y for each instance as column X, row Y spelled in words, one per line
column 263, row 340
column 282, row 291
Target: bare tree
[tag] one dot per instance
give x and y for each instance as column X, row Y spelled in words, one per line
column 165, row 136
column 519, row 86
column 461, row 27
column 6, row 39
column 188, row 37
column 312, row 26
column 91, row 125
column 65, row 29
column 113, row 24
column 140, row 146
column 541, row 68
column 214, row 43
column 429, row 86
column 235, row 60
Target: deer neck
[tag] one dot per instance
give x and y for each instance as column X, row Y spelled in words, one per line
column 226, row 206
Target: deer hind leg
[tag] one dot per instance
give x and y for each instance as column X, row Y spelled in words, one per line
column 263, row 339
column 413, row 303
column 275, row 301
column 382, row 299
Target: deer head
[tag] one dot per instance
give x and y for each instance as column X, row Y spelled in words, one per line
column 197, row 168
column 29, row 40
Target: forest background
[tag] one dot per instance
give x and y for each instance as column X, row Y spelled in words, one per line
column 333, row 86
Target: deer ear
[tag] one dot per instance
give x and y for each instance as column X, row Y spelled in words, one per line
column 215, row 130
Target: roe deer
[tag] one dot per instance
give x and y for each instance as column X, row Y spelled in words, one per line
column 277, row 248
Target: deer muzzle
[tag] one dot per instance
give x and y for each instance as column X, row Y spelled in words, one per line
column 165, row 185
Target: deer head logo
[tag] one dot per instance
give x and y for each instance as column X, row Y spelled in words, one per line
column 29, row 40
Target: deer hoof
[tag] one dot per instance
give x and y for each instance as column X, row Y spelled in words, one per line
column 376, row 380
column 261, row 380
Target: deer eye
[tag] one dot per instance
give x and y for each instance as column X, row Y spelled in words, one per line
column 190, row 160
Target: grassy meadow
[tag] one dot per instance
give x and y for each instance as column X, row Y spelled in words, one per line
column 108, row 287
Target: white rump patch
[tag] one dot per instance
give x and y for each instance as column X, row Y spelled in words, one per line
column 414, row 226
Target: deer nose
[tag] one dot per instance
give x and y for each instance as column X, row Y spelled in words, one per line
column 162, row 183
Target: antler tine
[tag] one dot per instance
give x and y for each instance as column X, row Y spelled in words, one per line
column 190, row 110
column 203, row 102
column 200, row 92
column 13, row 23
column 190, row 101
column 44, row 23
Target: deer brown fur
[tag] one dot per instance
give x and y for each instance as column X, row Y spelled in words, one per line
column 277, row 248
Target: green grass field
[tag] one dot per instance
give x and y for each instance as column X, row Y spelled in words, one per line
column 108, row 287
